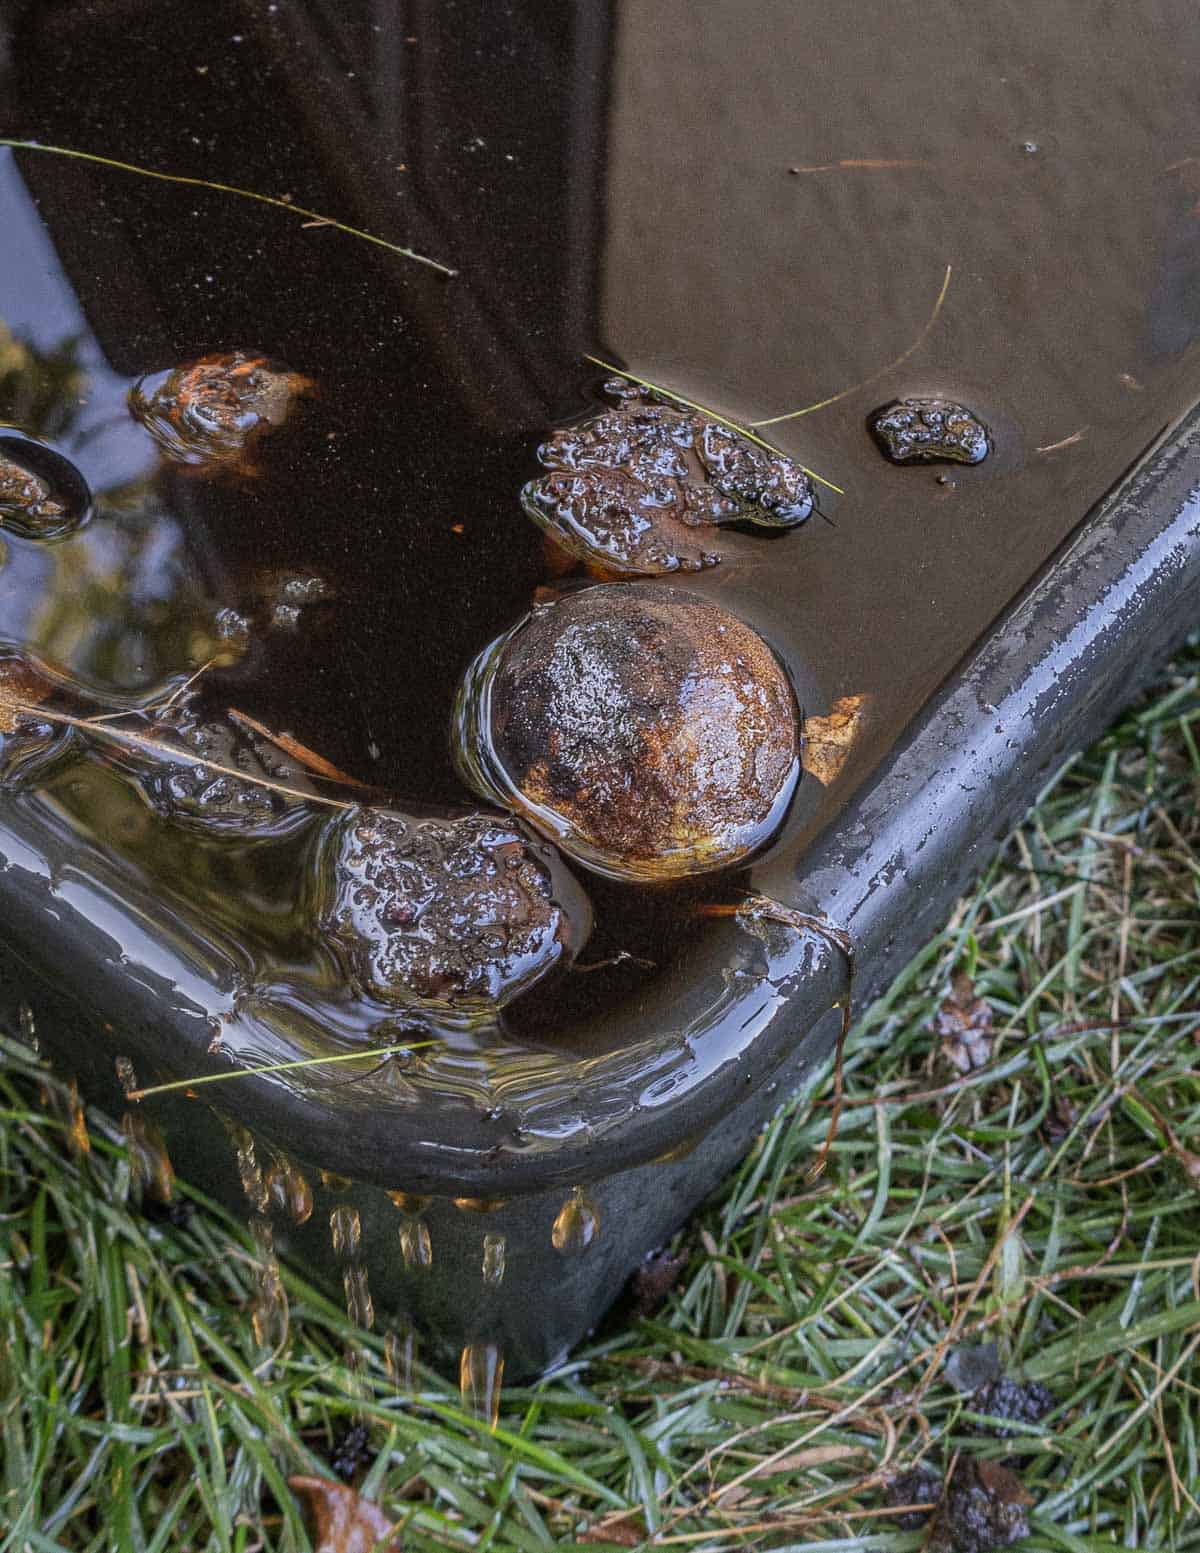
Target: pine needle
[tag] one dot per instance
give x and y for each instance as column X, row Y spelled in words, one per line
column 742, row 431
column 227, row 188
column 823, row 404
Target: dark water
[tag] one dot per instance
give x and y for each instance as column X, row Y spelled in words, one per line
column 680, row 190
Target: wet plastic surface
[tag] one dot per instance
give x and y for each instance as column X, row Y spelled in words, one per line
column 513, row 143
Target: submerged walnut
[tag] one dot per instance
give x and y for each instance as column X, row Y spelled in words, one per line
column 462, row 912
column 647, row 731
column 912, row 431
column 209, row 412
column 640, row 488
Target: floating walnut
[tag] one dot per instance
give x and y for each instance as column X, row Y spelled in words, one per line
column 210, row 412
column 647, row 731
column 929, row 431
column 42, row 494
column 640, row 489
column 463, row 912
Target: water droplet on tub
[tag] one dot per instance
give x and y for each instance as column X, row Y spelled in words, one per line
column 415, row 1245
column 27, row 1027
column 149, row 1161
column 359, row 1305
column 480, row 1378
column 577, row 1224
column 345, row 1228
column 493, row 1259
column 409, row 1202
column 287, row 1189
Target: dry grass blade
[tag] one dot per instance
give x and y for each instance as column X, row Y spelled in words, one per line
column 862, row 163
column 179, row 1084
column 823, row 404
column 227, row 188
column 161, row 747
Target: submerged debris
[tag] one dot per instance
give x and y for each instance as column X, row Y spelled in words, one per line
column 20, row 685
column 930, row 431
column 209, row 412
column 464, row 912
column 640, row 489
column 649, row 732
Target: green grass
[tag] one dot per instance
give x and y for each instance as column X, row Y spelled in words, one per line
column 1037, row 1202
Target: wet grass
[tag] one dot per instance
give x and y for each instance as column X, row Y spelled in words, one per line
column 1045, row 1201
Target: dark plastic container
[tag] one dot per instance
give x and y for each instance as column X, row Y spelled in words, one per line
column 645, row 1131
column 494, row 1197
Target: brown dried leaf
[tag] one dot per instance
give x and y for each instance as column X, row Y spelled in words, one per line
column 627, row 1528
column 345, row 1523
column 964, row 1023
column 814, row 1456
column 827, row 740
column 1002, row 1483
column 20, row 685
column 1058, row 1121
column 654, row 1280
